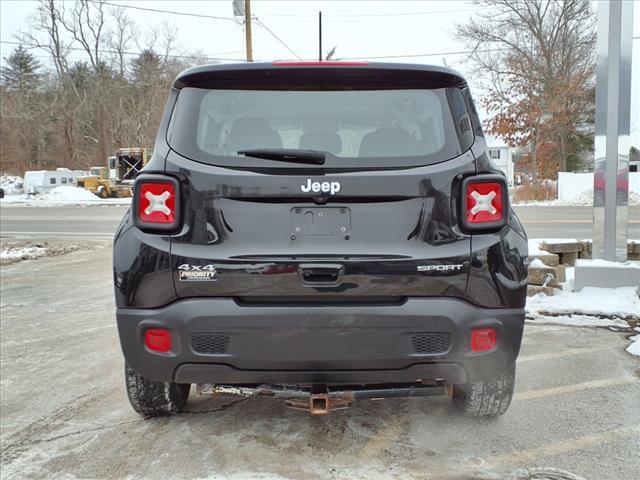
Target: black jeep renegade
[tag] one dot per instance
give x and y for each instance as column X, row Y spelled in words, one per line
column 321, row 232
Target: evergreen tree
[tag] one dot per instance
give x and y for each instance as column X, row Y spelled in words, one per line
column 22, row 71
column 146, row 68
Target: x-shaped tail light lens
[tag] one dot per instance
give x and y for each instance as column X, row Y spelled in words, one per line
column 156, row 202
column 485, row 202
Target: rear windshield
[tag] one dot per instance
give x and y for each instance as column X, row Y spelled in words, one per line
column 355, row 127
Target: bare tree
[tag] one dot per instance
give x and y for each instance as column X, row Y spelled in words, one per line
column 120, row 37
column 47, row 19
column 86, row 24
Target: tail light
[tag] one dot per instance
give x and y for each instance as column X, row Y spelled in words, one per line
column 485, row 202
column 483, row 339
column 323, row 63
column 156, row 203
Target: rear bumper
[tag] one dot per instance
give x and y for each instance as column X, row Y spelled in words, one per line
column 301, row 344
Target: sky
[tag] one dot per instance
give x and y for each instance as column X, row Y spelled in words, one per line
column 410, row 31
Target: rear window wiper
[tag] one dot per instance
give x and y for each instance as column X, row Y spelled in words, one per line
column 293, row 155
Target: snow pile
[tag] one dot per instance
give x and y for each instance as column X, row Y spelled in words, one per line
column 65, row 195
column 10, row 184
column 70, row 194
column 12, row 255
column 537, row 263
column 622, row 302
column 18, row 250
column 584, row 198
column 590, row 307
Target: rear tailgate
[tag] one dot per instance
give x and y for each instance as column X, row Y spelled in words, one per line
column 381, row 237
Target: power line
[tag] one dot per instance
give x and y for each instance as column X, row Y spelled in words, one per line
column 277, row 37
column 409, row 55
column 356, row 15
column 439, row 54
column 79, row 49
column 172, row 12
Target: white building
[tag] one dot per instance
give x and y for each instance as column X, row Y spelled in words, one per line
column 500, row 154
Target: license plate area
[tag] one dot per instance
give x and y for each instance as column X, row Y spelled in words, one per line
column 320, row 221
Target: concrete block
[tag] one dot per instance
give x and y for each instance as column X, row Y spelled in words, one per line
column 636, row 247
column 600, row 273
column 633, row 256
column 535, row 289
column 561, row 274
column 562, row 247
column 568, row 258
column 540, row 275
column 549, row 259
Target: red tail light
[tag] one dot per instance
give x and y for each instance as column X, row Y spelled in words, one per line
column 158, row 339
column 485, row 202
column 483, row 339
column 156, row 202
column 325, row 63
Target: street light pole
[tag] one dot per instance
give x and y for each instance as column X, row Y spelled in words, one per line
column 247, row 30
column 320, row 36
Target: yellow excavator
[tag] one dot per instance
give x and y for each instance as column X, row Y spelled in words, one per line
column 116, row 178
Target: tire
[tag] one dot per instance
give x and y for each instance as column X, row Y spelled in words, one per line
column 154, row 399
column 488, row 398
column 102, row 192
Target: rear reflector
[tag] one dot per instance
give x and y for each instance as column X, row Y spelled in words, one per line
column 483, row 339
column 155, row 202
column 157, row 339
column 327, row 63
column 484, row 202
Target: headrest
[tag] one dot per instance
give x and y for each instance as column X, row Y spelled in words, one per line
column 326, row 141
column 387, row 142
column 249, row 133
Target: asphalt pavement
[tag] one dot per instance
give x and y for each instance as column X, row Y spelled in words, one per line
column 64, row 411
column 102, row 221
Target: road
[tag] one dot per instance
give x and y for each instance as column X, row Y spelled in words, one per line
column 101, row 222
column 64, row 412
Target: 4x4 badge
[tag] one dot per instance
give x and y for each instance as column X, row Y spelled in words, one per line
column 197, row 273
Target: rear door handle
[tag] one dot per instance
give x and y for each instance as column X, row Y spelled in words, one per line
column 320, row 274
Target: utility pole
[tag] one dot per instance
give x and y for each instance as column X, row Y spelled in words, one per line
column 247, row 30
column 320, row 36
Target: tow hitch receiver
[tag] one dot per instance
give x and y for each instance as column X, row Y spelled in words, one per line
column 319, row 404
column 319, row 400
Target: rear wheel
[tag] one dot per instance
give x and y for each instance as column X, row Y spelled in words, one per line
column 154, row 399
column 488, row 398
column 102, row 192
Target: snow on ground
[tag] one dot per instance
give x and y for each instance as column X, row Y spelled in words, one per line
column 12, row 255
column 65, row 195
column 10, row 184
column 590, row 307
column 19, row 250
column 622, row 302
column 634, row 348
